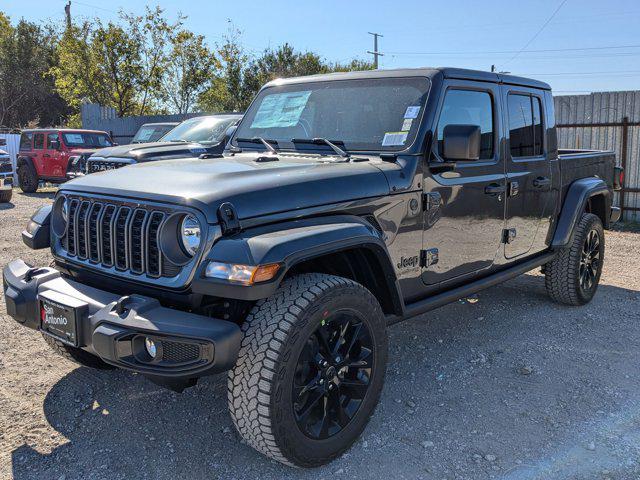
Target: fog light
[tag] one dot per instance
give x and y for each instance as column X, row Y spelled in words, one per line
column 151, row 347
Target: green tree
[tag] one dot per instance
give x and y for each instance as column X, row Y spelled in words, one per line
column 157, row 35
column 190, row 70
column 225, row 91
column 27, row 95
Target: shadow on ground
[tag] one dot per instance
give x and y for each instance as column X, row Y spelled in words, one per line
column 501, row 385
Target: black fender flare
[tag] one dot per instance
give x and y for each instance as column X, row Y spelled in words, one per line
column 290, row 243
column 574, row 204
column 26, row 161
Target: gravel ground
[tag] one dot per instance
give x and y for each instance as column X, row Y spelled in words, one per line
column 504, row 385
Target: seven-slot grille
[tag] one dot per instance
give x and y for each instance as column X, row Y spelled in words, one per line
column 121, row 236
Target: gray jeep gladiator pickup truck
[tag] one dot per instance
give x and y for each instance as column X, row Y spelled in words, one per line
column 344, row 203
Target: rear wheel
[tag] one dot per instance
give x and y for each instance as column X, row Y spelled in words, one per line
column 28, row 177
column 572, row 277
column 76, row 355
column 310, row 369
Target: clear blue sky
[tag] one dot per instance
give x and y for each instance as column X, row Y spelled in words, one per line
column 462, row 33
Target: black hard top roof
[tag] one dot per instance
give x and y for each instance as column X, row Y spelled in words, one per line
column 448, row 72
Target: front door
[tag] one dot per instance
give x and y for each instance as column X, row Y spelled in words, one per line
column 464, row 207
column 529, row 174
column 55, row 158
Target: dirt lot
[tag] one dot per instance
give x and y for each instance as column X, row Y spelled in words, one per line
column 501, row 385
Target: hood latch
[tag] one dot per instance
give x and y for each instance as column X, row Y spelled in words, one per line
column 228, row 217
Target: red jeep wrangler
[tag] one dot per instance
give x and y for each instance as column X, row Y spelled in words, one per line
column 50, row 154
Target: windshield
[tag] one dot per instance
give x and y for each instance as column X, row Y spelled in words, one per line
column 368, row 114
column 86, row 140
column 151, row 133
column 200, row 130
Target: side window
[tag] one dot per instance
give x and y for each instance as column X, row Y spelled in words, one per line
column 525, row 125
column 25, row 141
column 38, row 141
column 51, row 137
column 469, row 107
column 538, row 129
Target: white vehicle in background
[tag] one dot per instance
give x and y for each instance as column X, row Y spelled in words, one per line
column 6, row 175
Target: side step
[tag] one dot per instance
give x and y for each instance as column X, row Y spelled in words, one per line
column 440, row 299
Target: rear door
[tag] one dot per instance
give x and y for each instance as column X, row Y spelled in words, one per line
column 38, row 155
column 529, row 173
column 464, row 210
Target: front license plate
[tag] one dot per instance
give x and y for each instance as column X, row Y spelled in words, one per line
column 59, row 321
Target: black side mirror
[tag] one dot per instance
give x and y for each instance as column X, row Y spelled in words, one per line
column 461, row 142
column 55, row 144
column 229, row 133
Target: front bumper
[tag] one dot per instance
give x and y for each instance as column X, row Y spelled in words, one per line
column 114, row 327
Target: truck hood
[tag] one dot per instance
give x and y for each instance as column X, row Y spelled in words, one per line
column 254, row 186
column 145, row 152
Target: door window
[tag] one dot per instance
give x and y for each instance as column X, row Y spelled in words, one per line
column 25, row 141
column 38, row 141
column 525, row 125
column 469, row 107
column 52, row 137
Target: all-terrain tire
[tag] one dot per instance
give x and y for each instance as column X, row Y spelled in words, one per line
column 563, row 273
column 28, row 177
column 275, row 332
column 76, row 355
column 5, row 195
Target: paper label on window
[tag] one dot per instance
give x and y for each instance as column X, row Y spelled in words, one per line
column 406, row 124
column 146, row 134
column 412, row 112
column 281, row 110
column 394, row 138
column 73, row 138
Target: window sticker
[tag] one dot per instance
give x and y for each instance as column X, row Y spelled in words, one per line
column 146, row 134
column 281, row 110
column 412, row 112
column 394, row 138
column 73, row 137
column 406, row 124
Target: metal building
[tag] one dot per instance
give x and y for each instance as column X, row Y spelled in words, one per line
column 606, row 121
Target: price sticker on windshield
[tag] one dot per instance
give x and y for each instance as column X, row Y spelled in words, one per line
column 412, row 112
column 394, row 138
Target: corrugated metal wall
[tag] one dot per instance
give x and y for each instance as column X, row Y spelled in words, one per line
column 12, row 147
column 604, row 107
column 97, row 117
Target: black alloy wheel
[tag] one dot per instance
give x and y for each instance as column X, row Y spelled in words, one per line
column 332, row 375
column 590, row 260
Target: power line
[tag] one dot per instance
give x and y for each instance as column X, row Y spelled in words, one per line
column 560, row 74
column 538, row 32
column 497, row 52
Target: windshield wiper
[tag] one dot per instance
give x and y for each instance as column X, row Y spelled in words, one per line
column 322, row 141
column 266, row 143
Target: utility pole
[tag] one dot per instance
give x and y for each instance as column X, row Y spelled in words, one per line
column 493, row 68
column 375, row 52
column 67, row 12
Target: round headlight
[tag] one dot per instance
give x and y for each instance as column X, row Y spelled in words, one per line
column 60, row 216
column 190, row 234
column 64, row 209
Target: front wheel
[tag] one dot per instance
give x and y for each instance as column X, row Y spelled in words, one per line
column 310, row 369
column 572, row 277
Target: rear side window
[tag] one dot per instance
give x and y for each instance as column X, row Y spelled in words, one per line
column 469, row 107
column 52, row 137
column 26, row 140
column 38, row 141
column 525, row 125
